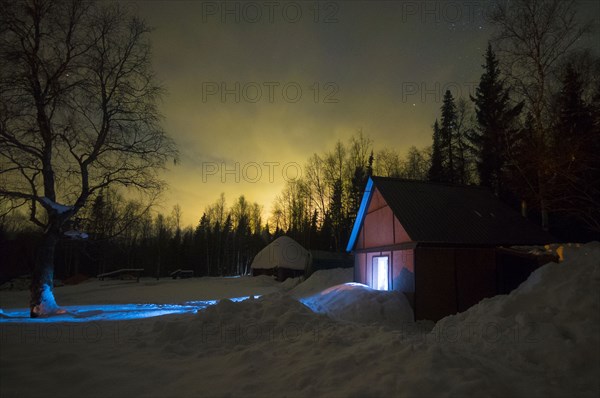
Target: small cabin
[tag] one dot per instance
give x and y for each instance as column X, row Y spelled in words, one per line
column 440, row 244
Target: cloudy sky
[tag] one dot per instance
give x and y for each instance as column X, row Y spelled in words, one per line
column 255, row 88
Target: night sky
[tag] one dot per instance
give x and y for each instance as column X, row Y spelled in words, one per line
column 379, row 66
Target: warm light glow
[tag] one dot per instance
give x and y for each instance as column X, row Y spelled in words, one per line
column 560, row 251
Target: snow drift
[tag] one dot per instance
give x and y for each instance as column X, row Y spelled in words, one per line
column 550, row 324
column 321, row 280
column 542, row 340
column 355, row 302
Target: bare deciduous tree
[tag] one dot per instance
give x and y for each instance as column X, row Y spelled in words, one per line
column 417, row 164
column 533, row 36
column 317, row 183
column 388, row 163
column 78, row 113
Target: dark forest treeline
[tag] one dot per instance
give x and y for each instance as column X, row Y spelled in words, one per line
column 491, row 140
column 484, row 140
column 125, row 234
column 317, row 209
column 530, row 133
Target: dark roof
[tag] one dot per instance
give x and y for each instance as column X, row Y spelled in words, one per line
column 443, row 213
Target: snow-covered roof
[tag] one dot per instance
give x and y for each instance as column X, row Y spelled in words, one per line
column 283, row 252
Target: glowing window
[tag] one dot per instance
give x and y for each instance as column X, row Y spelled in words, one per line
column 380, row 273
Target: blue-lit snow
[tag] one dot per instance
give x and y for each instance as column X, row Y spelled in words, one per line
column 540, row 340
column 358, row 303
column 111, row 312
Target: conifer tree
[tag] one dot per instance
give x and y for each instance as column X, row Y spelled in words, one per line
column 447, row 134
column 202, row 244
column 533, row 37
column 436, row 171
column 495, row 119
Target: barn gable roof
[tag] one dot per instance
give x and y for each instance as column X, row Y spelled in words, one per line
column 443, row 213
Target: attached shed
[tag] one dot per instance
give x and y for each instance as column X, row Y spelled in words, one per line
column 438, row 244
column 284, row 258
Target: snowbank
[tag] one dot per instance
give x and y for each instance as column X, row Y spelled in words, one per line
column 549, row 327
column 148, row 290
column 355, row 302
column 322, row 280
column 542, row 340
column 290, row 283
column 255, row 320
column 551, row 323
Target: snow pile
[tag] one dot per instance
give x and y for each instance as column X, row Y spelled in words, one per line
column 548, row 325
column 291, row 283
column 73, row 234
column 355, row 302
column 542, row 340
column 331, row 292
column 263, row 280
column 228, row 323
column 47, row 305
column 322, row 280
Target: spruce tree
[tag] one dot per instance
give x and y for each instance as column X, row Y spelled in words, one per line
column 447, row 133
column 574, row 115
column 436, row 170
column 202, row 245
column 226, row 240
column 495, row 119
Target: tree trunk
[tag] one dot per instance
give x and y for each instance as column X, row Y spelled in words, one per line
column 42, row 281
column 543, row 197
column 544, row 214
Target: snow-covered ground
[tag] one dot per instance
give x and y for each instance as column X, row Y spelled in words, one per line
column 321, row 337
column 96, row 300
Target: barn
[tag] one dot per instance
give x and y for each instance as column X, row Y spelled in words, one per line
column 444, row 246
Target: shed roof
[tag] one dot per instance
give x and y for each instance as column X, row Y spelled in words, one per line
column 283, row 252
column 443, row 213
